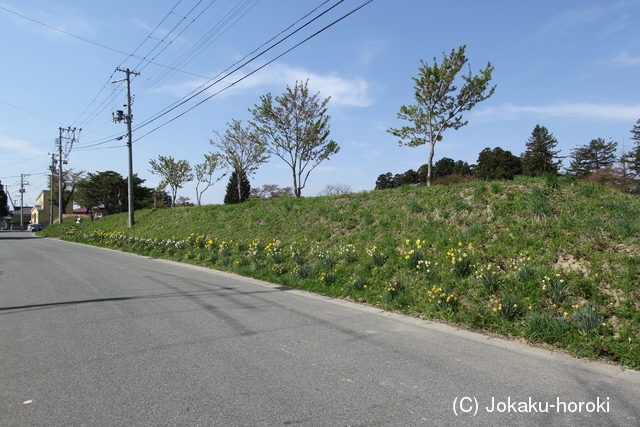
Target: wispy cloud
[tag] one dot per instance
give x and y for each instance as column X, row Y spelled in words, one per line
column 17, row 146
column 53, row 22
column 584, row 110
column 344, row 91
column 353, row 92
column 625, row 59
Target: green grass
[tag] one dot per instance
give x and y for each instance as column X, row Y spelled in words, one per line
column 554, row 246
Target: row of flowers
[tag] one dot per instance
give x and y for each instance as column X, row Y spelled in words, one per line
column 412, row 277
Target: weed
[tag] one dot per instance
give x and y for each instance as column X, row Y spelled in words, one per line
column 588, row 318
column 489, row 277
column 555, row 288
column 378, row 258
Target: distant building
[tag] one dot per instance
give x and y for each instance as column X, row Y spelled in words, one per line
column 21, row 217
column 41, row 212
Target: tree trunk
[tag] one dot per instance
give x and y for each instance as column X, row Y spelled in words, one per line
column 430, row 163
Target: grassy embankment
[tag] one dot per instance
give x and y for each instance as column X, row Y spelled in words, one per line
column 553, row 261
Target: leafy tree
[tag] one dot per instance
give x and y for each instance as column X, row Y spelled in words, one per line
column 70, row 180
column 589, row 158
column 295, row 128
column 271, row 191
column 241, row 151
column 184, row 201
column 439, row 103
column 335, row 189
column 539, row 158
column 497, row 164
column 108, row 191
column 204, row 173
column 385, row 181
column 4, row 207
column 174, row 173
column 237, row 191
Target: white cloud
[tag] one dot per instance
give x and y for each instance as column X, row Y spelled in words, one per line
column 350, row 92
column 22, row 146
column 584, row 110
column 625, row 59
column 353, row 92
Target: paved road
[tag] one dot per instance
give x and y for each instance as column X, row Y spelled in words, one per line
column 93, row 337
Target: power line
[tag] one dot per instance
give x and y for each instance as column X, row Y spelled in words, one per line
column 208, row 85
column 159, row 115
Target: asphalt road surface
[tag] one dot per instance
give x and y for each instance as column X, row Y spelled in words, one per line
column 94, row 337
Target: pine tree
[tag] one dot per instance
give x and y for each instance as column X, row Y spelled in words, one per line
column 633, row 157
column 237, row 193
column 539, row 158
column 589, row 158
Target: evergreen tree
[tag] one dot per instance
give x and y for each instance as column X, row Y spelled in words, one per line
column 497, row 164
column 443, row 167
column 539, row 158
column 4, row 207
column 589, row 158
column 633, row 157
column 385, row 181
column 462, row 168
column 231, row 198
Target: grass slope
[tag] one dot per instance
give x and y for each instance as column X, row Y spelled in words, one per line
column 555, row 261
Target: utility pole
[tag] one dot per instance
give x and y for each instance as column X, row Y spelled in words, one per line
column 60, row 209
column 128, row 117
column 71, row 138
column 52, row 168
column 22, row 184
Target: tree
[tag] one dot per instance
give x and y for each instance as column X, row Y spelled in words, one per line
column 539, row 158
column 204, row 173
column 242, row 151
column 335, row 189
column 70, row 180
column 174, row 174
column 589, row 158
column 4, row 207
column 184, row 201
column 271, row 191
column 439, row 103
column 237, row 191
column 497, row 164
column 632, row 159
column 108, row 191
column 385, row 181
column 295, row 128
column 614, row 177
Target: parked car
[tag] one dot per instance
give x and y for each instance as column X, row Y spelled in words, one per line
column 35, row 227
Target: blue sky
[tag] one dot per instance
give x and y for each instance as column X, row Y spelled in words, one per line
column 572, row 66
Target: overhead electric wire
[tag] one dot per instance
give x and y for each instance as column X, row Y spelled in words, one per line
column 192, row 52
column 208, row 85
column 253, row 72
column 198, row 91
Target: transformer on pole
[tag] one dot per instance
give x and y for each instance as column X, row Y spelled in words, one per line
column 118, row 116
